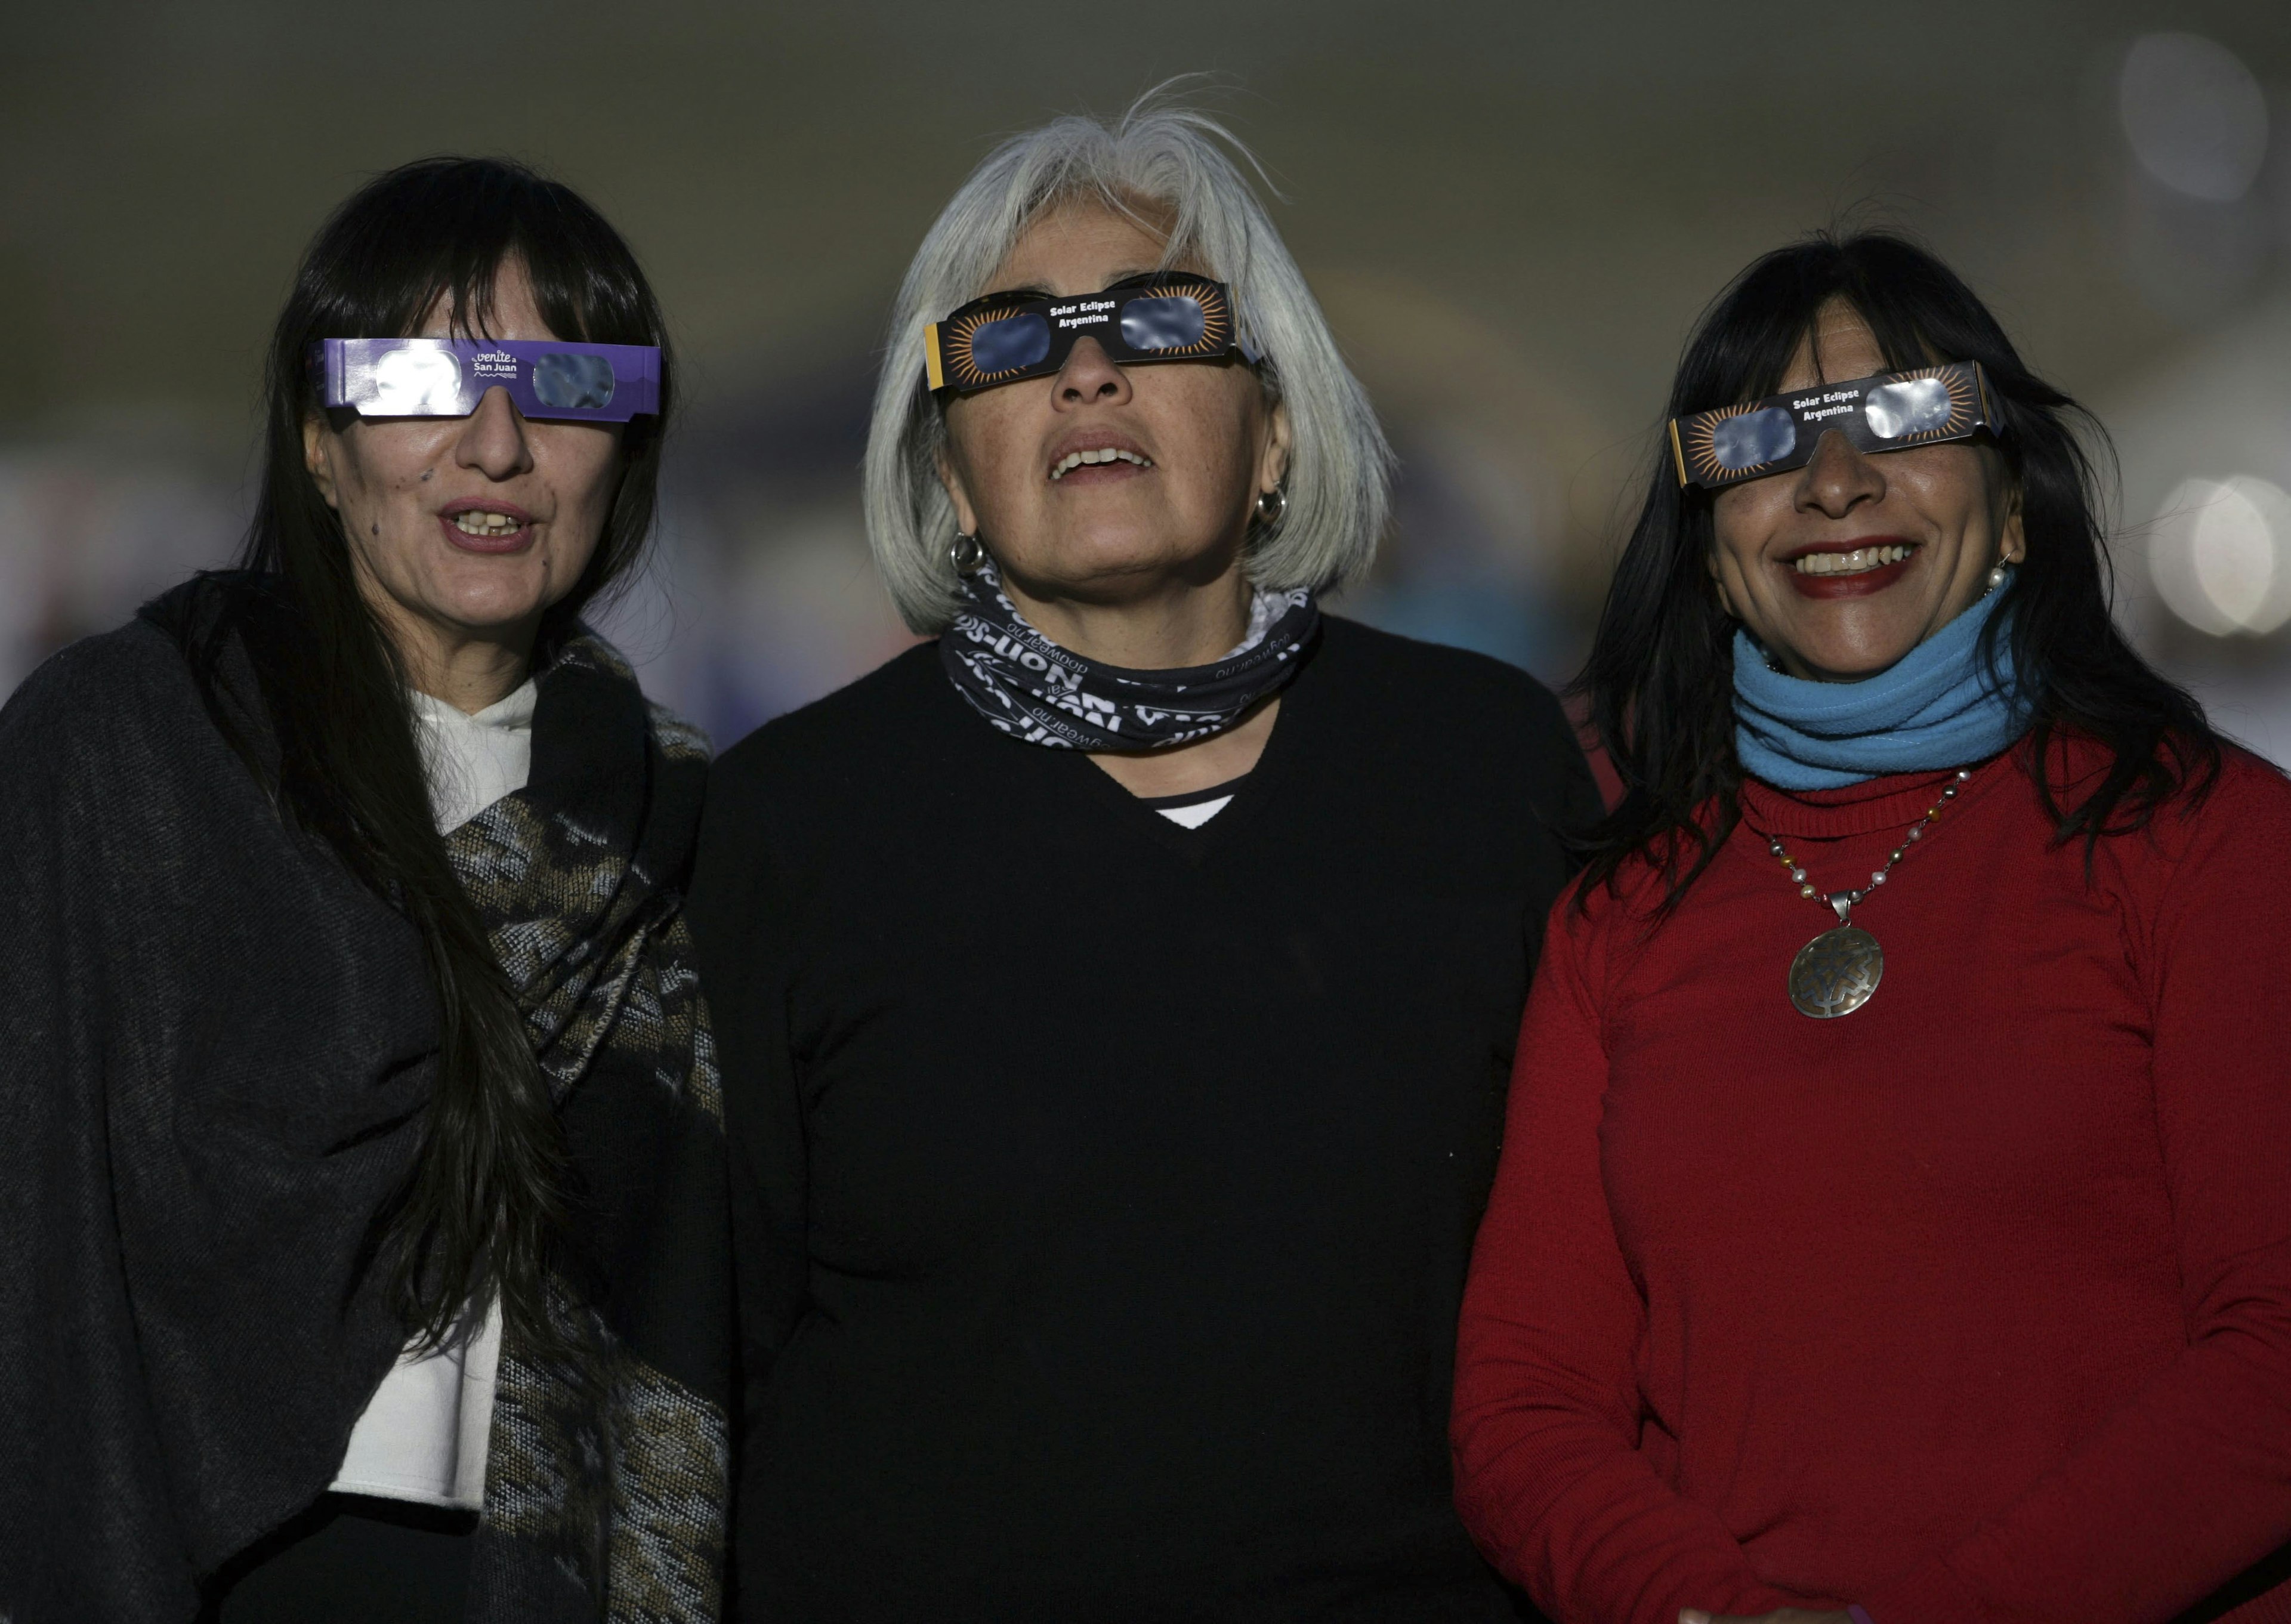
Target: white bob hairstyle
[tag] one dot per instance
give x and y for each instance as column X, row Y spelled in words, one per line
column 1165, row 165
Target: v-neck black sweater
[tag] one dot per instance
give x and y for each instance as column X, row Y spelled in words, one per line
column 1104, row 1188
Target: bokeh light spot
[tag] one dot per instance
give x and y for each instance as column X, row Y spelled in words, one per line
column 2195, row 115
column 2220, row 554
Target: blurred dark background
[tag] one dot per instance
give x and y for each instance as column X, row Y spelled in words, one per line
column 1513, row 213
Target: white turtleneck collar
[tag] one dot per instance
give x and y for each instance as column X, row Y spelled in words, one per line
column 472, row 761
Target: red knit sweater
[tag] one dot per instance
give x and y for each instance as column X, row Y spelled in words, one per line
column 1974, row 1304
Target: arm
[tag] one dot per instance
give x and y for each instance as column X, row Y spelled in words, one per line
column 1549, row 1475
column 84, row 1472
column 2189, row 1483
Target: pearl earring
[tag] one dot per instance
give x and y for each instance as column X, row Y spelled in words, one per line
column 1997, row 576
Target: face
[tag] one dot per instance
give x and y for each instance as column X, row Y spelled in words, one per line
column 1842, row 566
column 1192, row 443
column 463, row 529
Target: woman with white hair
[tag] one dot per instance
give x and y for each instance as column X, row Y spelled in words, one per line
column 1116, row 995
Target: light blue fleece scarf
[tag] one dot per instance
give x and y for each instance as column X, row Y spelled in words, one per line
column 1935, row 707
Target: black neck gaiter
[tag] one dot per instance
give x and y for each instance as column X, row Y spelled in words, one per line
column 1035, row 690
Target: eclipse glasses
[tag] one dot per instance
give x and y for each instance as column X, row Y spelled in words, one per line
column 446, row 377
column 1161, row 316
column 1889, row 410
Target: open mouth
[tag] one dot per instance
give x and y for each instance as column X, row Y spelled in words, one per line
column 1859, row 561
column 476, row 521
column 1094, row 456
column 480, row 526
column 1853, row 570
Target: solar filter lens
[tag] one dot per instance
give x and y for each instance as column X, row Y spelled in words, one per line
column 1753, row 439
column 414, row 381
column 1171, row 321
column 1009, row 342
column 573, row 382
column 1916, row 406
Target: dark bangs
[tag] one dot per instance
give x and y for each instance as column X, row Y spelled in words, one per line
column 440, row 230
column 483, row 1209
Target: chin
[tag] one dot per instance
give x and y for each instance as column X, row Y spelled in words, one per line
column 495, row 594
column 1853, row 645
column 480, row 613
column 1121, row 553
column 1853, row 662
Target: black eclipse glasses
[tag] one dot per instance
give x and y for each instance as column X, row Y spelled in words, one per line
column 1889, row 410
column 1162, row 316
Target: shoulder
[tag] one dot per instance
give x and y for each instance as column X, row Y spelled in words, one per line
column 108, row 746
column 851, row 731
column 1463, row 700
column 2251, row 783
column 2208, row 867
column 839, row 773
column 675, row 737
column 2245, row 808
column 1623, row 908
column 1461, row 720
column 2216, row 848
column 591, row 651
column 120, row 686
column 2243, row 816
column 824, row 785
column 1409, row 674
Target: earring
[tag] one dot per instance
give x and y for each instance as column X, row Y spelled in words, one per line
column 967, row 553
column 1271, row 508
column 1997, row 577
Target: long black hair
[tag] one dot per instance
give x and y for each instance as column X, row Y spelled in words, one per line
column 1660, row 678
column 482, row 1209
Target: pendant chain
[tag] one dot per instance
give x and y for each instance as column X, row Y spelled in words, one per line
column 1845, row 902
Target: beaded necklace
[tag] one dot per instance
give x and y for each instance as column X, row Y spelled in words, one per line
column 1838, row 971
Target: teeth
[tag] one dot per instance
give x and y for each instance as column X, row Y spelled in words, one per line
column 476, row 521
column 1103, row 454
column 1850, row 563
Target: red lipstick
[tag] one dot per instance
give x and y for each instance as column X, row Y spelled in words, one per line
column 1861, row 583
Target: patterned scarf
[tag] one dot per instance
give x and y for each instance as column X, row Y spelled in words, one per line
column 606, row 1478
column 1035, row 690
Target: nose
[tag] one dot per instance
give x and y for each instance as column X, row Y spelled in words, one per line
column 492, row 437
column 1089, row 378
column 1838, row 478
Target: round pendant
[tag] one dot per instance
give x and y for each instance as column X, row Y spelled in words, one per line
column 1835, row 973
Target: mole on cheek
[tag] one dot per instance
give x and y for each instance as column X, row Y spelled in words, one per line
column 377, row 526
column 426, row 473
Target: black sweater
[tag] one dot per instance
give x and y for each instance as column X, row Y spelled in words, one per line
column 1104, row 1188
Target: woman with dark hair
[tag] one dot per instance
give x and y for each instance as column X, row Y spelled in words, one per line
column 363, row 1177
column 1937, row 1267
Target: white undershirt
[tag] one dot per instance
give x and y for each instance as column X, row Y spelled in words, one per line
column 423, row 1436
column 1194, row 815
column 1191, row 809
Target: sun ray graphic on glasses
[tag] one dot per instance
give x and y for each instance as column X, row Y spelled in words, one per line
column 960, row 352
column 1925, row 417
column 1216, row 318
column 1716, row 458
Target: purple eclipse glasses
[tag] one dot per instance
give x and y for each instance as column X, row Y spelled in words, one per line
column 447, row 377
column 1161, row 316
column 1888, row 411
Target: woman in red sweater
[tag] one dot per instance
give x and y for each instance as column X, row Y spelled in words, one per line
column 1894, row 1217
